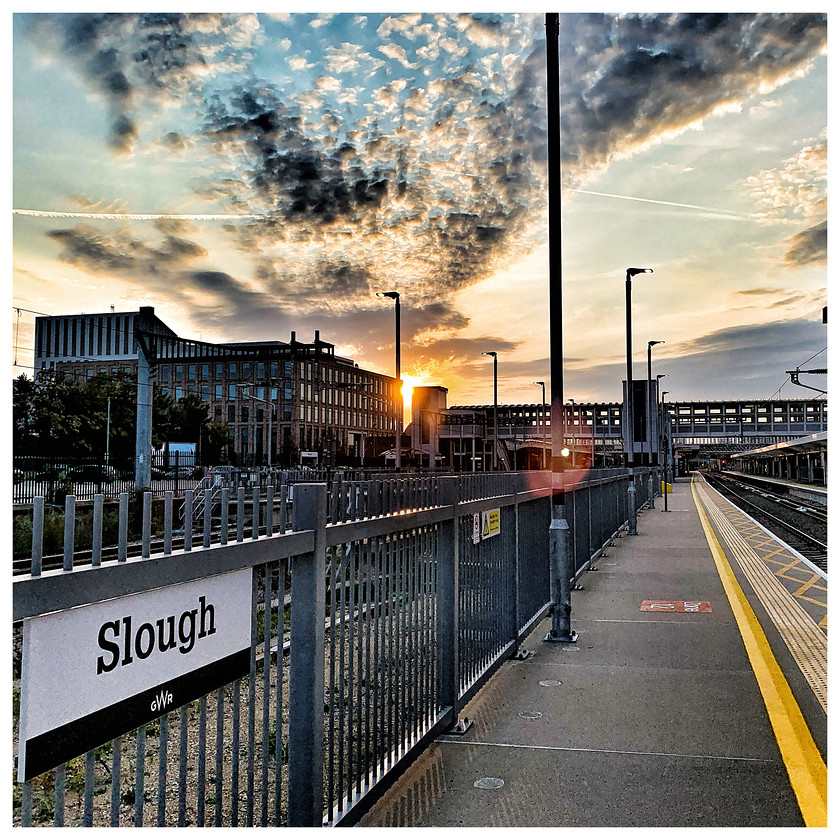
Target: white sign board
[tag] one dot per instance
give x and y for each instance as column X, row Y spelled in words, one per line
column 476, row 536
column 94, row 672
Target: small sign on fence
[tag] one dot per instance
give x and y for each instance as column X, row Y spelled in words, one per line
column 95, row 672
column 491, row 523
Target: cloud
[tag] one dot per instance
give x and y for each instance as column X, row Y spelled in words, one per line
column 809, row 247
column 134, row 59
column 630, row 80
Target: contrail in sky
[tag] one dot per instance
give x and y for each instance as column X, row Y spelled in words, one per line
column 135, row 217
column 728, row 213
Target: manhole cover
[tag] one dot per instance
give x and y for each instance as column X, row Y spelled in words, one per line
column 489, row 784
column 530, row 715
column 550, row 683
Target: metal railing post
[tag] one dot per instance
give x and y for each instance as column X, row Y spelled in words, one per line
column 447, row 613
column 306, row 678
column 631, row 504
column 560, row 559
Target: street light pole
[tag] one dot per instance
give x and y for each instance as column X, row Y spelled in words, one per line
column 395, row 296
column 649, row 424
column 541, row 417
column 570, row 425
column 667, row 451
column 628, row 400
column 495, row 406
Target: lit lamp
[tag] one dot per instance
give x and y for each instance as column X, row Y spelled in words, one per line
column 395, row 296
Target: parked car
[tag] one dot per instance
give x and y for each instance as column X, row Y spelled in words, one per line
column 93, row 473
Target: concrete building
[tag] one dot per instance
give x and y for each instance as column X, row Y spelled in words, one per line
column 284, row 402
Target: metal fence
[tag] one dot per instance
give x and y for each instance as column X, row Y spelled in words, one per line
column 369, row 633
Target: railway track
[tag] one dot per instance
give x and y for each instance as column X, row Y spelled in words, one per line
column 804, row 527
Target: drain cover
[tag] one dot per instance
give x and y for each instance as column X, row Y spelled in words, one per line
column 489, row 783
column 530, row 715
column 550, row 683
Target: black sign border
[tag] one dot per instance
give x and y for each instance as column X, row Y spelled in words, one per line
column 57, row 746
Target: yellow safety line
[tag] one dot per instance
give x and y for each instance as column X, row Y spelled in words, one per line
column 803, row 762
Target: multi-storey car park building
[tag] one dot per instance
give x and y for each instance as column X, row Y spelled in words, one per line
column 463, row 436
column 276, row 397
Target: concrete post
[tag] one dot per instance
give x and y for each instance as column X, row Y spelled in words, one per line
column 631, row 504
column 306, row 682
column 560, row 559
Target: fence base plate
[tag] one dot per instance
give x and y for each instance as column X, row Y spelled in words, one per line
column 461, row 727
column 562, row 640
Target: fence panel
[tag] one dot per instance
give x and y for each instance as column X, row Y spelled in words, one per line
column 386, row 604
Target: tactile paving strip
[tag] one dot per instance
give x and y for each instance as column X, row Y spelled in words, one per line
column 800, row 630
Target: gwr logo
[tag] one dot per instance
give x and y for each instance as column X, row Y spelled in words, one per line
column 163, row 700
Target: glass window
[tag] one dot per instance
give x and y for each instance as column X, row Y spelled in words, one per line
column 218, row 392
column 260, row 370
column 231, row 391
column 232, row 370
column 190, row 373
column 164, row 373
column 231, row 413
column 205, row 371
column 243, row 416
column 246, row 370
column 220, row 370
column 179, row 373
column 274, row 370
column 205, row 393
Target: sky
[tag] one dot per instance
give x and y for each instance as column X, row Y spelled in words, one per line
column 250, row 175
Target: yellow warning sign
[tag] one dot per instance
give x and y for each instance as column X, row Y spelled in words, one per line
column 491, row 523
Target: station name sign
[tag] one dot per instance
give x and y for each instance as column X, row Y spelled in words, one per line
column 95, row 672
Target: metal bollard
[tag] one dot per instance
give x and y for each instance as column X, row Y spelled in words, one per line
column 561, row 579
column 631, row 506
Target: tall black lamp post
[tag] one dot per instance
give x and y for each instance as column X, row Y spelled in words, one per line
column 395, row 296
column 495, row 406
column 628, row 400
column 649, row 424
column 541, row 418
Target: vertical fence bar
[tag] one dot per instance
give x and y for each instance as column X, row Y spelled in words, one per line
column 220, row 740
column 252, row 696
column 306, row 701
column 122, row 541
column 224, row 516
column 146, row 538
column 188, row 520
column 163, row 743
column 139, row 776
column 208, row 517
column 202, row 761
column 116, row 780
column 96, row 541
column 87, row 816
column 58, row 795
column 167, row 522
column 69, row 531
column 255, row 513
column 448, row 601
column 37, row 539
column 182, row 767
column 278, row 709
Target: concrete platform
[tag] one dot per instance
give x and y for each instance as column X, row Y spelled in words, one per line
column 650, row 719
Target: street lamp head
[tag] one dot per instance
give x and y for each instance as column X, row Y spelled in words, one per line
column 392, row 295
column 489, row 353
column 632, row 272
column 660, row 376
column 651, row 343
column 538, row 383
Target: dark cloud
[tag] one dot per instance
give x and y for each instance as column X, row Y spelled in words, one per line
column 809, row 247
column 746, row 362
column 628, row 78
column 131, row 57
